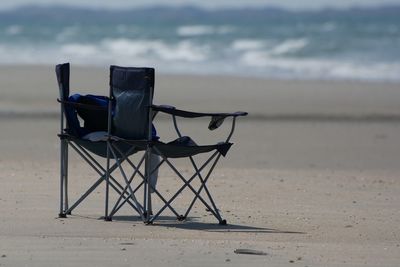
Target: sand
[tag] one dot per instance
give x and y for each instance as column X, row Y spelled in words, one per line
column 312, row 180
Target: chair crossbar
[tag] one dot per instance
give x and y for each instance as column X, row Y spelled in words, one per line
column 151, row 186
column 117, row 205
column 186, row 184
column 132, row 196
column 97, row 167
column 203, row 185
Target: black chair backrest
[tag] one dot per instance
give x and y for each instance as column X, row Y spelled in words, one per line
column 62, row 71
column 131, row 90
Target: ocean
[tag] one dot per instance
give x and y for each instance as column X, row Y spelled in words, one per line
column 342, row 44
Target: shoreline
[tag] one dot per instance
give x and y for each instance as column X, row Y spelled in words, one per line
column 203, row 75
column 33, row 90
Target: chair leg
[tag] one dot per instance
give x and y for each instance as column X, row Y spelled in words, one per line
column 203, row 185
column 147, row 181
column 61, row 214
column 66, row 205
column 213, row 210
column 106, row 217
column 145, row 185
column 186, row 184
column 101, row 171
column 132, row 196
column 119, row 204
column 154, row 168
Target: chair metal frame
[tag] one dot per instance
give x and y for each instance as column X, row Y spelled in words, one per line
column 126, row 192
column 105, row 174
column 211, row 207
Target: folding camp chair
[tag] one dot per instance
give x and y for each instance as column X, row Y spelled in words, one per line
column 71, row 136
column 124, row 80
column 130, row 116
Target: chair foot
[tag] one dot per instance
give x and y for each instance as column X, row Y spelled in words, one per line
column 62, row 215
column 108, row 219
column 223, row 222
column 69, row 213
column 181, row 218
column 145, row 213
column 148, row 222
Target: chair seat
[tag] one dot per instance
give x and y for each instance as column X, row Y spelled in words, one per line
column 186, row 147
column 99, row 147
column 96, row 136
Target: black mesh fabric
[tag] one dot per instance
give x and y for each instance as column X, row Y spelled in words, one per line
column 131, row 91
column 186, row 147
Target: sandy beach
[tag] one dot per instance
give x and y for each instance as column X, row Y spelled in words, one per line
column 312, row 179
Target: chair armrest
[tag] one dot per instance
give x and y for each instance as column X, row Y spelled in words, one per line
column 190, row 114
column 216, row 118
column 81, row 105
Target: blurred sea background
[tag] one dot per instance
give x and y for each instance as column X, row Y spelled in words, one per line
column 345, row 44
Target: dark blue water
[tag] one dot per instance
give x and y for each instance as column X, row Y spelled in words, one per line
column 360, row 44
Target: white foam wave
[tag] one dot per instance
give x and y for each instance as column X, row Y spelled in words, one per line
column 128, row 47
column 289, row 46
column 190, row 57
column 319, row 68
column 182, row 51
column 196, row 30
column 80, row 50
column 67, row 33
column 255, row 58
column 247, row 44
column 108, row 51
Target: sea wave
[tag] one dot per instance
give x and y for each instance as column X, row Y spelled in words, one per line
column 265, row 58
column 268, row 47
column 196, row 30
column 67, row 33
column 80, row 50
column 301, row 68
column 289, row 46
column 326, row 44
column 181, row 51
column 248, row 44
